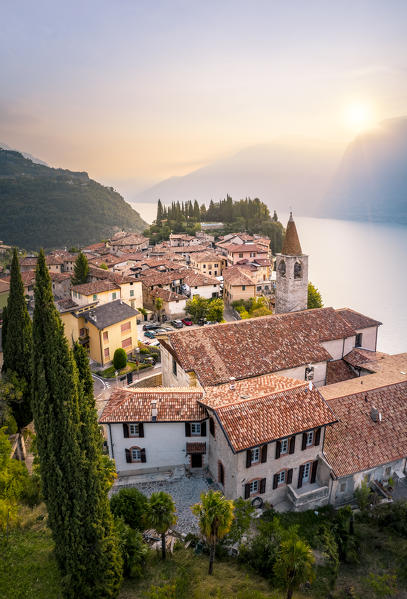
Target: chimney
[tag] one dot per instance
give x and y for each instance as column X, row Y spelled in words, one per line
column 375, row 414
column 154, row 411
column 232, row 385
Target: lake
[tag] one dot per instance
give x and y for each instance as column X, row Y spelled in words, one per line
column 356, row 265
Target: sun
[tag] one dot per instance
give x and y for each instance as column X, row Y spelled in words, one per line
column 359, row 116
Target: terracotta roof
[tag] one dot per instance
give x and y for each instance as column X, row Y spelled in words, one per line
column 28, row 277
column 113, row 276
column 236, row 248
column 253, row 388
column 197, row 279
column 359, row 356
column 59, row 276
column 337, row 371
column 189, row 249
column 291, row 244
column 66, row 305
column 4, row 286
column 237, row 275
column 356, row 442
column 130, row 240
column 207, row 257
column 108, row 259
column 95, row 246
column 179, row 404
column 387, row 370
column 166, row 295
column 357, row 320
column 279, row 415
column 95, row 287
column 152, row 278
column 195, row 448
column 257, row 346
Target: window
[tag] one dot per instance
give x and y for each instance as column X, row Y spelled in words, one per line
column 212, row 426
column 135, row 454
column 306, row 473
column 126, row 342
column 254, row 487
column 310, row 438
column 114, row 295
column 106, row 352
column 259, row 288
column 281, row 268
column 204, row 266
column 82, row 332
column 215, row 265
column 309, row 373
column 243, row 287
column 281, row 477
column 174, row 367
column 210, row 272
column 125, row 327
column 94, row 297
column 342, row 487
column 252, row 254
column 131, row 292
column 358, row 341
column 240, row 255
column 134, row 430
column 297, row 270
column 221, row 473
column 105, row 336
column 255, row 455
column 388, row 471
column 195, row 428
column 284, row 446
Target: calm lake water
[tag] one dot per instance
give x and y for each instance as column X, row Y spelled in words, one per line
column 357, row 265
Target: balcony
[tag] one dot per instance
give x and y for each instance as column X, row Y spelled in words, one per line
column 308, row 496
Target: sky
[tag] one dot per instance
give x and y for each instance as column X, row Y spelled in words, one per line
column 144, row 90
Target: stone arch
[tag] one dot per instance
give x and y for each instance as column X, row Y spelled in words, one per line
column 298, row 270
column 282, row 268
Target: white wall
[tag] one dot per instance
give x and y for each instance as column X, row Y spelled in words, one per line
column 368, row 338
column 205, row 291
column 181, row 379
column 335, row 348
column 299, row 373
column 164, row 442
column 176, row 308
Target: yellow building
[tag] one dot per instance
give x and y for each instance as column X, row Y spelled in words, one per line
column 207, row 263
column 237, row 285
column 131, row 290
column 98, row 291
column 101, row 328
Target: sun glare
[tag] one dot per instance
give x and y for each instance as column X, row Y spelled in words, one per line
column 359, row 116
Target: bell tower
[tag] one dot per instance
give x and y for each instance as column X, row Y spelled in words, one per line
column 292, row 273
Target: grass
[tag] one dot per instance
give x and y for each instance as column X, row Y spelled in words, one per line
column 110, row 372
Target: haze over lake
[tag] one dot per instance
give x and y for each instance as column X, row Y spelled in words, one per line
column 354, row 264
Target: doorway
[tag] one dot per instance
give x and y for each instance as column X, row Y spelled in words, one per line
column 196, row 460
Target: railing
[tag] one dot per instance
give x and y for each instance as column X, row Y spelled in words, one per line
column 300, row 498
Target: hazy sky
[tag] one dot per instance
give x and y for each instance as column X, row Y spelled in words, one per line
column 150, row 89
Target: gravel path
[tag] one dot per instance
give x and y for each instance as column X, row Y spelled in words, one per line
column 185, row 492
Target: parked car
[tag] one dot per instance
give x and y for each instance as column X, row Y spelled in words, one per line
column 212, row 322
column 149, row 334
column 150, row 326
column 187, row 322
column 160, row 331
column 154, row 343
column 177, row 324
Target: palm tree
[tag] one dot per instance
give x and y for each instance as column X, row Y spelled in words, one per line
column 160, row 515
column 158, row 304
column 294, row 564
column 215, row 514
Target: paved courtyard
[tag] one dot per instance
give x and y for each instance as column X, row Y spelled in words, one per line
column 185, row 492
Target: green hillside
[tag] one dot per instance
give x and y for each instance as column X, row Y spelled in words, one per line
column 47, row 207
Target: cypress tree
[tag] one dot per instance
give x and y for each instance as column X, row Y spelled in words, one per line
column 81, row 270
column 66, row 477
column 160, row 212
column 17, row 345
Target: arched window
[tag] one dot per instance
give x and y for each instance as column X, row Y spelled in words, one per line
column 281, row 268
column 297, row 270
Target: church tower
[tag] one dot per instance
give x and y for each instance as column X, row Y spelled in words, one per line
column 292, row 273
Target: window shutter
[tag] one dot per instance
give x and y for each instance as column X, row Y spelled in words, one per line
column 143, row 455
column 314, row 471
column 264, row 453
column 141, row 429
column 203, row 429
column 289, row 476
column 317, row 436
column 128, row 456
column 187, row 429
column 304, row 441
column 292, row 444
column 300, row 475
column 263, row 485
column 246, row 491
column 275, row 481
column 212, row 426
column 125, row 429
column 248, row 458
column 278, row 449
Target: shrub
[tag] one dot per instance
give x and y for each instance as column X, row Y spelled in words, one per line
column 363, row 496
column 134, row 550
column 241, row 523
column 130, row 504
column 393, row 516
column 119, row 358
column 262, row 551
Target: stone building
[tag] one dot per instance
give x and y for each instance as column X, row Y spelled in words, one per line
column 292, row 273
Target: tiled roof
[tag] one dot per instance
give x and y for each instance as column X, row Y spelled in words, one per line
column 113, row 276
column 179, row 404
column 189, row 249
column 28, row 277
column 206, row 257
column 59, row 276
column 95, row 287
column 357, row 320
column 291, row 244
column 253, row 388
column 152, row 278
column 66, row 305
column 237, row 275
column 110, row 313
column 257, row 346
column 197, row 279
column 95, row 246
column 108, row 259
column 130, row 240
column 4, row 286
column 195, row 448
column 166, row 295
column 236, row 248
column 258, row 421
column 356, row 442
column 359, row 356
column 337, row 371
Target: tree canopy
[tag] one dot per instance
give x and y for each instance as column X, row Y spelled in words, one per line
column 314, row 297
column 81, row 270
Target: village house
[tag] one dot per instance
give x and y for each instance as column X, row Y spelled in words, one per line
column 130, row 289
column 28, row 279
column 54, row 263
column 100, row 291
column 61, row 284
column 173, row 307
column 238, row 284
column 199, row 284
column 100, row 328
column 207, row 263
column 67, row 258
column 245, row 251
column 129, row 242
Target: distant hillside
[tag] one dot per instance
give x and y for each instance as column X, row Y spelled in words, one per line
column 25, row 154
column 295, row 174
column 371, row 182
column 47, row 207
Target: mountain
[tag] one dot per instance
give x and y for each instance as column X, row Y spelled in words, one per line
column 25, row 154
column 49, row 208
column 280, row 174
column 371, row 181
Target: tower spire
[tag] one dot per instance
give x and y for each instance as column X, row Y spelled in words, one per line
column 291, row 245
